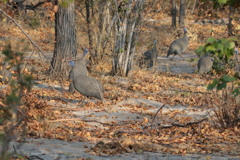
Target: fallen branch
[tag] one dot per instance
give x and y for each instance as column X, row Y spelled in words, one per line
column 184, row 125
column 159, row 110
column 172, row 125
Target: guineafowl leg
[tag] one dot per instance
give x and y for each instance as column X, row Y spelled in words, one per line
column 181, row 57
column 172, row 57
column 82, row 102
column 71, row 87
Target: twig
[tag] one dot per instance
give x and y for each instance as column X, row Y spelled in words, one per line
column 156, row 114
column 160, row 109
column 184, row 125
column 34, row 157
column 81, row 12
column 7, row 140
column 131, row 131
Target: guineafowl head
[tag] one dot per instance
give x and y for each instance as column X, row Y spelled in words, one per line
column 185, row 29
column 85, row 51
column 236, row 50
column 155, row 42
column 71, row 62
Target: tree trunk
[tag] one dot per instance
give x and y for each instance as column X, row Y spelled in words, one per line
column 174, row 14
column 93, row 56
column 65, row 37
column 230, row 21
column 194, row 6
column 102, row 19
column 127, row 28
column 182, row 12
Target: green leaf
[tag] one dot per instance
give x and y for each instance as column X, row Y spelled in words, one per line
column 232, row 44
column 210, row 48
column 224, row 40
column 232, row 39
column 220, row 47
column 236, row 92
column 222, row 85
column 222, row 1
column 212, row 85
column 229, row 79
column 211, row 40
column 200, row 49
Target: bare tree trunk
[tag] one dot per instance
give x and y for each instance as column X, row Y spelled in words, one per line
column 194, row 6
column 127, row 28
column 65, row 37
column 187, row 6
column 174, row 14
column 102, row 19
column 93, row 56
column 182, row 12
column 230, row 21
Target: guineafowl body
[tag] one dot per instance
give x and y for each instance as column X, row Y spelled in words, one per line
column 78, row 68
column 88, row 86
column 179, row 45
column 150, row 56
column 205, row 64
column 84, row 84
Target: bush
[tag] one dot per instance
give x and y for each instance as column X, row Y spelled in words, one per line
column 9, row 107
column 227, row 112
column 221, row 50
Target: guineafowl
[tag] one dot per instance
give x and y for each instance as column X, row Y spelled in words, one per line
column 86, row 85
column 150, row 56
column 77, row 68
column 205, row 63
column 179, row 45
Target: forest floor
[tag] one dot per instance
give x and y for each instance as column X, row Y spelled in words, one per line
column 61, row 125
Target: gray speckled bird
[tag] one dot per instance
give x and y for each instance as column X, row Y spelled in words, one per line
column 150, row 56
column 205, row 63
column 77, row 68
column 84, row 84
column 179, row 45
column 88, row 86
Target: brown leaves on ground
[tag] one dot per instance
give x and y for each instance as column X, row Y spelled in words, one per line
column 50, row 116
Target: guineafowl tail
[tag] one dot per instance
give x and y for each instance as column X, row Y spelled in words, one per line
column 169, row 53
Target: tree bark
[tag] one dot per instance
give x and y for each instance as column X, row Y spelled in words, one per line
column 174, row 14
column 182, row 12
column 194, row 6
column 102, row 19
column 230, row 21
column 93, row 56
column 65, row 37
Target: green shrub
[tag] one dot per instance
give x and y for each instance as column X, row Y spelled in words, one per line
column 221, row 51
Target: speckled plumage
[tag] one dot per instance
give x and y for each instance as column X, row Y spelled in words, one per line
column 88, row 86
column 84, row 84
column 150, row 56
column 205, row 64
column 179, row 45
column 79, row 68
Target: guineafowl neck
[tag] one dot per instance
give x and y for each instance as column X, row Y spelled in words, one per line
column 185, row 36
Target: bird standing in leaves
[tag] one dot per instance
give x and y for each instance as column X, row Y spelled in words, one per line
column 179, row 45
column 84, row 84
